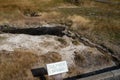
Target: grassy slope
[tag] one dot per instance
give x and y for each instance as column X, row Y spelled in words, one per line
column 99, row 22
column 103, row 26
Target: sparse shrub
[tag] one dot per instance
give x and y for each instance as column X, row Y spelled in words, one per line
column 79, row 59
column 75, row 42
column 62, row 41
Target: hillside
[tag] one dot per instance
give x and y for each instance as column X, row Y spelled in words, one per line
column 96, row 22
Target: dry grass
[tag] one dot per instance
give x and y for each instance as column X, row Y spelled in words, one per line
column 76, row 42
column 79, row 59
column 87, row 59
column 79, row 21
column 62, row 41
column 16, row 65
column 51, row 57
column 103, row 31
column 51, row 16
column 98, row 21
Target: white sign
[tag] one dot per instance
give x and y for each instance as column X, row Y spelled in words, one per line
column 57, row 68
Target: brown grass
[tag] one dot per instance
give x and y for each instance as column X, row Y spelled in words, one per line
column 62, row 41
column 16, row 65
column 76, row 42
column 51, row 57
column 99, row 22
column 103, row 31
column 87, row 59
column 79, row 59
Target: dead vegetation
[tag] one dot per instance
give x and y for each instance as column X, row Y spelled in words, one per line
column 16, row 65
column 76, row 42
column 62, row 41
column 87, row 59
column 51, row 57
column 98, row 22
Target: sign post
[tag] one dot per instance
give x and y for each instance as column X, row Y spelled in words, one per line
column 55, row 69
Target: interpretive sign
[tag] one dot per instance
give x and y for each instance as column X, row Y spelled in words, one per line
column 57, row 68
